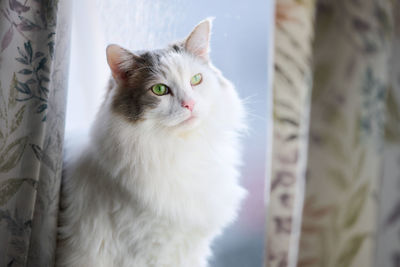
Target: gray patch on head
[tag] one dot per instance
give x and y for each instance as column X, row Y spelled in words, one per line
column 132, row 97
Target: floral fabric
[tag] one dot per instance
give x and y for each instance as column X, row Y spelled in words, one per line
column 347, row 206
column 351, row 78
column 34, row 40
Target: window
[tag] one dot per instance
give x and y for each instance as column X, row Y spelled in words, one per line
column 239, row 47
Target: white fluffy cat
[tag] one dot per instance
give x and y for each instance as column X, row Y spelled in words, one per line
column 159, row 178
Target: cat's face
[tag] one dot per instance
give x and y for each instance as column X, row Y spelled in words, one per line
column 172, row 88
column 181, row 90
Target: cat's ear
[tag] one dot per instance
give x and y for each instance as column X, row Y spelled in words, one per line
column 198, row 41
column 120, row 60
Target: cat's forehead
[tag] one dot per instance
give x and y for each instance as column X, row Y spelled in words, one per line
column 166, row 62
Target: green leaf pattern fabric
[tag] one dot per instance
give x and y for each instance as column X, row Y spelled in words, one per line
column 34, row 45
column 343, row 206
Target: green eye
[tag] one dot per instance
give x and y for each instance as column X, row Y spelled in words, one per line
column 160, row 89
column 196, row 79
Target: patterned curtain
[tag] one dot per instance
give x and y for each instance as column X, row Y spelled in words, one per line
column 34, row 41
column 334, row 194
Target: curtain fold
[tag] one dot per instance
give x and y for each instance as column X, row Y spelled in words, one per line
column 388, row 233
column 349, row 211
column 291, row 96
column 352, row 48
column 34, row 41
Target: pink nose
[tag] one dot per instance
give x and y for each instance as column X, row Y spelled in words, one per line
column 189, row 104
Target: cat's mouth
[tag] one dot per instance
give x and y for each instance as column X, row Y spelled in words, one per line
column 190, row 120
column 188, row 125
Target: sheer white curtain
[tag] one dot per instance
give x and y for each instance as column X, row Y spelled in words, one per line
column 96, row 23
column 88, row 68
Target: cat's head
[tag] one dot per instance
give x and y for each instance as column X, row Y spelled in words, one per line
column 173, row 88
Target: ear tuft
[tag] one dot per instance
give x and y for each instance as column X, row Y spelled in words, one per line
column 198, row 42
column 118, row 59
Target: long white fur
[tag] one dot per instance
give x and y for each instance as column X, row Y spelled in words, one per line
column 156, row 192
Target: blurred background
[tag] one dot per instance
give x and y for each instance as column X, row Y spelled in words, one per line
column 240, row 47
